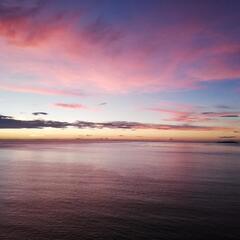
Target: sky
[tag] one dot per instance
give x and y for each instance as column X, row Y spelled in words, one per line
column 153, row 69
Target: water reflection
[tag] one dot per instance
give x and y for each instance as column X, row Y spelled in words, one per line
column 126, row 191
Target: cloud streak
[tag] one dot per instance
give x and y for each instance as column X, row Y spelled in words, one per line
column 222, row 114
column 228, row 137
column 70, row 105
column 40, row 90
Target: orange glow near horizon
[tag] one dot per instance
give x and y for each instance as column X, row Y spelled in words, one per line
column 71, row 133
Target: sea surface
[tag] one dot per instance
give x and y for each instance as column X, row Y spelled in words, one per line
column 128, row 190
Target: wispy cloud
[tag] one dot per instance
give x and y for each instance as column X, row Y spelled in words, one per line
column 223, row 107
column 40, row 90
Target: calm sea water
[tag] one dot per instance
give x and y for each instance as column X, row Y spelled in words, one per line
column 119, row 191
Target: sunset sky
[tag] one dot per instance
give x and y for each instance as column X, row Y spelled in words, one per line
column 162, row 70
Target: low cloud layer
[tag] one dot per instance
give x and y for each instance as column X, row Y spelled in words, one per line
column 7, row 122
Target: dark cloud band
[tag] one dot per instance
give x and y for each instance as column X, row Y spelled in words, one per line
column 7, row 122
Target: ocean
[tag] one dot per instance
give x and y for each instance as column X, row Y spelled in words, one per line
column 119, row 190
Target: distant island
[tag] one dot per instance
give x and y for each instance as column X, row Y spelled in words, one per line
column 229, row 141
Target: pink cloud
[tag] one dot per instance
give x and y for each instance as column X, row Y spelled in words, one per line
column 99, row 57
column 178, row 116
column 193, row 115
column 188, row 113
column 70, row 106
